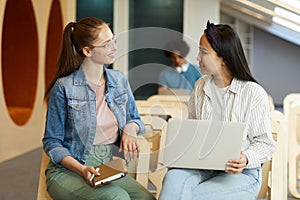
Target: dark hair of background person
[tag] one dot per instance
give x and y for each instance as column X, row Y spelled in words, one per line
column 176, row 45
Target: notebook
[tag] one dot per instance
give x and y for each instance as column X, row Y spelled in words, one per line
column 109, row 172
column 202, row 144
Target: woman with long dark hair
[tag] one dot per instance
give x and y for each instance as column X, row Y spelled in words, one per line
column 227, row 92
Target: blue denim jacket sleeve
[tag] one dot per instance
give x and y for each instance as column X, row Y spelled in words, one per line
column 55, row 125
column 132, row 112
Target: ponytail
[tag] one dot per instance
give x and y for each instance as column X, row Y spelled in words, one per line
column 75, row 37
column 70, row 57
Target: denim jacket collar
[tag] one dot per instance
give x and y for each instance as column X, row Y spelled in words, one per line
column 80, row 78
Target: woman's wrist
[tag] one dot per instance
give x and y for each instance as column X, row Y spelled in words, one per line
column 245, row 157
column 131, row 129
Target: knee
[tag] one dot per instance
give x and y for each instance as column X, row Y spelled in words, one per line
column 109, row 192
column 178, row 179
column 172, row 175
column 170, row 182
column 118, row 195
column 137, row 195
column 145, row 196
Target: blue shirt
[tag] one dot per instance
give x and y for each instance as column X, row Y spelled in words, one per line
column 184, row 80
column 71, row 115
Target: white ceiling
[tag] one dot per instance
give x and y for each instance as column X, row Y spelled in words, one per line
column 262, row 13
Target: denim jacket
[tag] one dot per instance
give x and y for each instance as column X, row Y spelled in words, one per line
column 71, row 115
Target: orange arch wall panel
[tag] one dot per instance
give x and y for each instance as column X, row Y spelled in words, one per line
column 19, row 59
column 30, row 32
column 54, row 39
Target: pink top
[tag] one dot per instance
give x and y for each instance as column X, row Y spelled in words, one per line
column 107, row 125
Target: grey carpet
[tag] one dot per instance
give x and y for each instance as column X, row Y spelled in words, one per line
column 20, row 176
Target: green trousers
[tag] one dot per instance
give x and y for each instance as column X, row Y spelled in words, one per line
column 64, row 184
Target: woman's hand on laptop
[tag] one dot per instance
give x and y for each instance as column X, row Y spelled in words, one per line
column 236, row 166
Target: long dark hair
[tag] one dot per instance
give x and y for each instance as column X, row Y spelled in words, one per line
column 226, row 43
column 75, row 37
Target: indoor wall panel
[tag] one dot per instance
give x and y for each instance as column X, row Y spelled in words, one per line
column 30, row 35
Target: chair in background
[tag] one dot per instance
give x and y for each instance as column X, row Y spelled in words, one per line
column 264, row 188
column 288, row 101
column 294, row 148
column 275, row 171
column 156, row 134
column 137, row 168
column 271, row 103
column 171, row 91
column 279, row 169
column 174, row 109
column 169, row 98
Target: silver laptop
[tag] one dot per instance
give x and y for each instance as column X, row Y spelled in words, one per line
column 202, row 144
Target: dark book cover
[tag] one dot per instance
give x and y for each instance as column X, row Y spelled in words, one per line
column 110, row 171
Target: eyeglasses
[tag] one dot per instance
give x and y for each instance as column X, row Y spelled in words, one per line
column 109, row 44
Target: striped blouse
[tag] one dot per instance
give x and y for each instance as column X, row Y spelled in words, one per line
column 245, row 101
